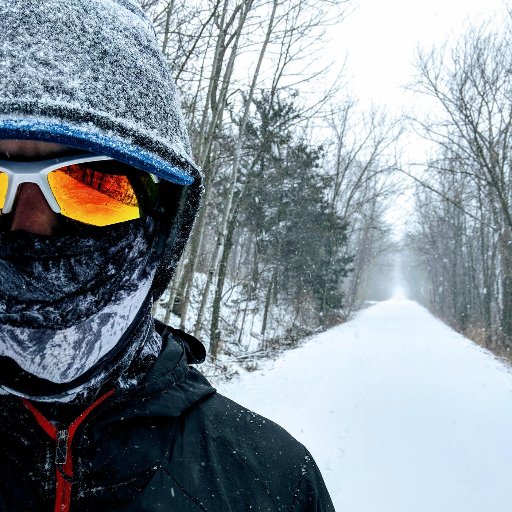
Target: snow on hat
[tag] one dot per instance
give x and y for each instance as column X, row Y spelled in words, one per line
column 90, row 74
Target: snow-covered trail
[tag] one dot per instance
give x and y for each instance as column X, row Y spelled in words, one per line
column 400, row 412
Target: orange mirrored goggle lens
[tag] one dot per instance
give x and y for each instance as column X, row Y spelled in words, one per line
column 88, row 194
column 4, row 181
column 93, row 197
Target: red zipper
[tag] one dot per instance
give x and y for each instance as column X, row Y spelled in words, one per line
column 63, row 458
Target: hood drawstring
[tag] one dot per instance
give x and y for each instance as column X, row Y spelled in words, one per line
column 63, row 456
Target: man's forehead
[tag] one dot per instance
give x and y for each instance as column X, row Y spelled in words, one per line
column 32, row 149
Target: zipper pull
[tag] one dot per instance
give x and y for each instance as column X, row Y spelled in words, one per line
column 61, row 452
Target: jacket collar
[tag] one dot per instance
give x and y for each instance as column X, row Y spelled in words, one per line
column 171, row 386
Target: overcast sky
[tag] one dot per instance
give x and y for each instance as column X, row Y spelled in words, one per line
column 379, row 40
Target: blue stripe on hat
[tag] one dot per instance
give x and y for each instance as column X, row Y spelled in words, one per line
column 47, row 131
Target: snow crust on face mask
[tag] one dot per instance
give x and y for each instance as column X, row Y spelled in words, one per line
column 66, row 301
column 62, row 356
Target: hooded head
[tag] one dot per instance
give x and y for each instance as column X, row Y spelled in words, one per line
column 89, row 74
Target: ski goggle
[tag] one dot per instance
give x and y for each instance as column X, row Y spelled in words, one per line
column 91, row 189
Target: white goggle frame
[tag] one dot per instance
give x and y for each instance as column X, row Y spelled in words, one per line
column 37, row 172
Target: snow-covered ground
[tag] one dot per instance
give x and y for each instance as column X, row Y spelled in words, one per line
column 401, row 413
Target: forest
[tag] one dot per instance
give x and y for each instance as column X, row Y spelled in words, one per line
column 462, row 241
column 294, row 236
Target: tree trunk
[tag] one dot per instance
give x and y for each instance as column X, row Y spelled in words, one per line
column 506, row 283
column 268, row 300
column 170, row 11
column 214, row 330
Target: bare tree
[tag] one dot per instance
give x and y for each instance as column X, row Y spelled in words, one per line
column 472, row 85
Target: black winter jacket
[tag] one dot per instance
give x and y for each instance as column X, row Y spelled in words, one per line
column 171, row 444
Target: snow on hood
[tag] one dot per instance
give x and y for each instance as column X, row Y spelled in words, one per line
column 94, row 68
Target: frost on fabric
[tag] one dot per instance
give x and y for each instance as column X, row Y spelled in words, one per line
column 94, row 64
column 61, row 356
column 66, row 302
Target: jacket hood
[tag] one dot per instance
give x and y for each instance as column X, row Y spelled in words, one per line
column 90, row 74
column 171, row 386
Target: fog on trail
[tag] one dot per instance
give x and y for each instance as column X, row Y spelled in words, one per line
column 400, row 412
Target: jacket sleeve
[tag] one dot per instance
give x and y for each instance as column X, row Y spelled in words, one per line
column 312, row 494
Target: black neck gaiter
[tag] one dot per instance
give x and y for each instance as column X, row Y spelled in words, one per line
column 67, row 300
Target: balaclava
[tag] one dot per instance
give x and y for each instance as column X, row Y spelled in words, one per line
column 67, row 300
column 75, row 309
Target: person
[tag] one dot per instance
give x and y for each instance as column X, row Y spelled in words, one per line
column 101, row 407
